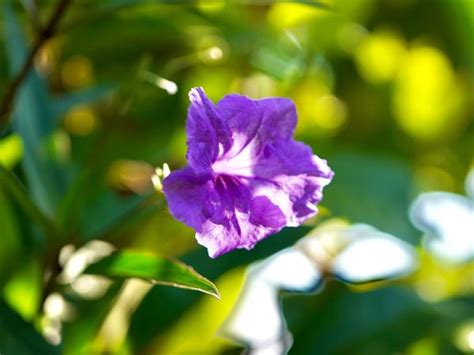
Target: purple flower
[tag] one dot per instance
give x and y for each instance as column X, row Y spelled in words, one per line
column 247, row 178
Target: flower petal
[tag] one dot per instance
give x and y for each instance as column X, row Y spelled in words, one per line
column 257, row 120
column 292, row 178
column 247, row 178
column 264, row 213
column 288, row 157
column 237, row 219
column 235, row 212
column 239, row 234
column 184, row 191
column 207, row 134
column 223, row 212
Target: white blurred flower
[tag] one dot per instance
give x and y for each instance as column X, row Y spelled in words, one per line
column 447, row 219
column 353, row 254
column 76, row 261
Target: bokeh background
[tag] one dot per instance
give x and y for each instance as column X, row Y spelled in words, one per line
column 383, row 90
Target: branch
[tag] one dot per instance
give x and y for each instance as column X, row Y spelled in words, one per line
column 45, row 34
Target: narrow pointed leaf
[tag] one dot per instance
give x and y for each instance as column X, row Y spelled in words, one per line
column 10, row 251
column 159, row 270
column 33, row 119
column 11, row 185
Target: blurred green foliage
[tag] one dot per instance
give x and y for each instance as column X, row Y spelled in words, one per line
column 383, row 91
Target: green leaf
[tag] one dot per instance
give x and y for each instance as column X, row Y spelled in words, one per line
column 154, row 316
column 360, row 320
column 123, row 3
column 13, row 186
column 19, row 337
column 33, row 119
column 107, row 211
column 107, row 7
column 373, row 190
column 462, row 19
column 64, row 103
column 162, row 271
column 10, row 249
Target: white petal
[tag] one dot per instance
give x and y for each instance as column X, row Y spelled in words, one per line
column 469, row 184
column 276, row 348
column 448, row 221
column 373, row 255
column 257, row 319
column 289, row 270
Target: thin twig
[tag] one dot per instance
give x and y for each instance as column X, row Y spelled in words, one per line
column 46, row 33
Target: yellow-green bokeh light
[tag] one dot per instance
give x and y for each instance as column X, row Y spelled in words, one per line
column 81, row 121
column 11, row 151
column 428, row 101
column 287, row 15
column 320, row 113
column 379, row 55
column 77, row 72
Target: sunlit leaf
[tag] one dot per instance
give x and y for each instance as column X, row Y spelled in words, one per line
column 11, row 150
column 154, row 316
column 130, row 264
column 116, row 4
column 196, row 331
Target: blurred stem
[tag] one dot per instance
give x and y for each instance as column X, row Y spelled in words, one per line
column 52, row 269
column 44, row 35
column 19, row 193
